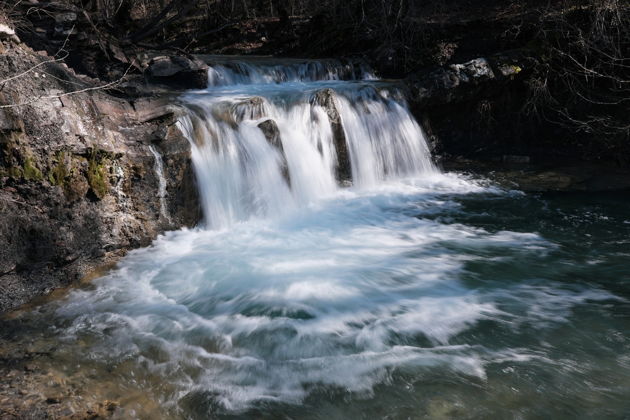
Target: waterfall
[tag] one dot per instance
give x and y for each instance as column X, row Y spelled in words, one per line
column 341, row 276
column 275, row 138
column 159, row 173
column 225, row 72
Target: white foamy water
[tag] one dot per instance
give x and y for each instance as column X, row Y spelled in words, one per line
column 159, row 173
column 296, row 281
column 317, row 132
column 270, row 307
column 242, row 72
column 342, row 293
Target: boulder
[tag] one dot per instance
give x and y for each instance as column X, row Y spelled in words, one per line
column 6, row 33
column 458, row 83
column 65, row 18
column 325, row 99
column 249, row 109
column 272, row 134
column 234, row 113
column 177, row 71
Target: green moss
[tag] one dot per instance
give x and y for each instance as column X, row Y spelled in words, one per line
column 59, row 172
column 31, row 172
column 97, row 175
column 15, row 172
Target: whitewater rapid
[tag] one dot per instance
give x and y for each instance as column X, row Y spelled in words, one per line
column 329, row 295
column 270, row 148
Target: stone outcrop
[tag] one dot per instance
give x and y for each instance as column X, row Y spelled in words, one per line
column 78, row 186
column 461, row 82
column 7, row 33
column 271, row 132
column 554, row 176
column 178, row 71
column 325, row 98
column 473, row 109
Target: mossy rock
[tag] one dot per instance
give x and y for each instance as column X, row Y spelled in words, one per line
column 66, row 172
column 59, row 171
column 15, row 172
column 30, row 171
column 16, row 160
column 97, row 173
column 76, row 186
column 27, row 170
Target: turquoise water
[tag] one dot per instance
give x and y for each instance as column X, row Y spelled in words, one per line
column 439, row 297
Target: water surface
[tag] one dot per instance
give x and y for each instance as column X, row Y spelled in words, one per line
column 439, row 297
column 411, row 294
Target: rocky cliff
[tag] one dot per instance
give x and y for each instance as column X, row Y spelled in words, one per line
column 79, row 181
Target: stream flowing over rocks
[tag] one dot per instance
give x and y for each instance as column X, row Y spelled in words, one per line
column 299, row 253
column 85, row 176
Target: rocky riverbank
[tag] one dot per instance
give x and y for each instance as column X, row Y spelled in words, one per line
column 79, row 184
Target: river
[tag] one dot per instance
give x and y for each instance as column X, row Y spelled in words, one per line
column 397, row 292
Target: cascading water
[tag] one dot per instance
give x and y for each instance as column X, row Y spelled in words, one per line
column 235, row 72
column 339, row 275
column 159, row 173
column 287, row 145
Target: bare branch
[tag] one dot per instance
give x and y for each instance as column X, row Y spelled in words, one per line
column 74, row 92
column 55, row 60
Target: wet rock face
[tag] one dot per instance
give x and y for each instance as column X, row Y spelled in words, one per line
column 182, row 198
column 272, row 134
column 325, row 99
column 78, row 184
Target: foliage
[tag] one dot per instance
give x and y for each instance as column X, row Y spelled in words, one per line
column 582, row 86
